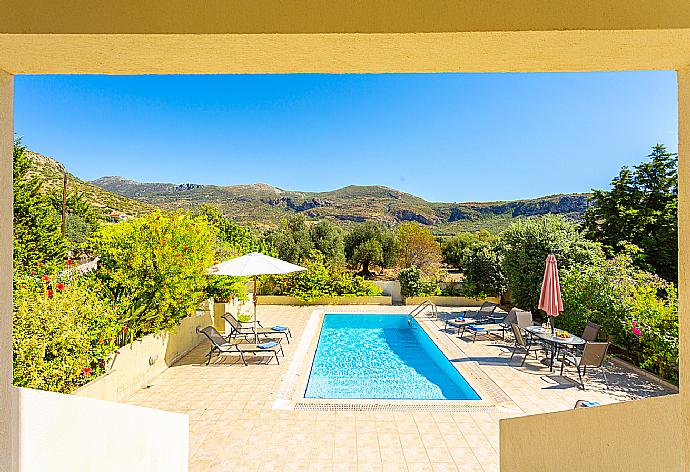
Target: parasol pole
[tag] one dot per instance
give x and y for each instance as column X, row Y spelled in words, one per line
column 256, row 337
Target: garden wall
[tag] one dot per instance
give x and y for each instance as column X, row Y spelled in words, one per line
column 142, row 360
column 451, row 301
column 60, row 432
column 391, row 288
column 283, row 300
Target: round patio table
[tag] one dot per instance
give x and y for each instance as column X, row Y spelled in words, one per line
column 554, row 341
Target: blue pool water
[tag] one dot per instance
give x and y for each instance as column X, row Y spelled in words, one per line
column 381, row 356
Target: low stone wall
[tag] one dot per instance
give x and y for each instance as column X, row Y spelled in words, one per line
column 451, row 301
column 283, row 300
column 139, row 362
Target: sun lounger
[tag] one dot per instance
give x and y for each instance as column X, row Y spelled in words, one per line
column 485, row 314
column 239, row 329
column 225, row 347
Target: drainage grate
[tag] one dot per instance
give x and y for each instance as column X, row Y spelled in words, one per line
column 402, row 407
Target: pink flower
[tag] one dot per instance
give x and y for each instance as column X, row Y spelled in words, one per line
column 637, row 331
column 634, row 323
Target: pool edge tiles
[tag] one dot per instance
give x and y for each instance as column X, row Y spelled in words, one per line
column 294, row 383
column 382, row 357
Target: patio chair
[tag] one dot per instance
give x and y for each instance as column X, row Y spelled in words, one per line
column 588, row 334
column 593, row 355
column 485, row 314
column 515, row 315
column 224, row 347
column 525, row 343
column 238, row 329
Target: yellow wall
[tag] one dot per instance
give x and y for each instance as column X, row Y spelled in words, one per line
column 344, row 16
column 139, row 362
column 262, row 36
column 641, row 435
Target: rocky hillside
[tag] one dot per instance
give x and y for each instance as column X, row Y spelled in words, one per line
column 50, row 173
column 263, row 205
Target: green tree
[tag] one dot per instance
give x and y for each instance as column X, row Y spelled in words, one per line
column 81, row 219
column 641, row 208
column 327, row 238
column 483, row 273
column 525, row 245
column 291, row 240
column 156, row 265
column 230, row 234
column 370, row 244
column 418, row 247
column 38, row 241
column 453, row 249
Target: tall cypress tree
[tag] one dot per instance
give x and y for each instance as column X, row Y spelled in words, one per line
column 641, row 208
column 38, row 242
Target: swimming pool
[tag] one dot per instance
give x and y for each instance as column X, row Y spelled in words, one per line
column 382, row 357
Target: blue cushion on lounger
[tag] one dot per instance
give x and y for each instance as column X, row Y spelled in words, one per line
column 267, row 345
column 588, row 404
column 279, row 328
column 475, row 328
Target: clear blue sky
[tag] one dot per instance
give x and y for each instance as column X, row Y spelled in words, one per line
column 444, row 137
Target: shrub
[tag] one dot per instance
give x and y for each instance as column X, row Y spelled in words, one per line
column 322, row 280
column 413, row 283
column 483, row 273
column 418, row 247
column 62, row 334
column 155, row 266
column 637, row 311
column 525, row 245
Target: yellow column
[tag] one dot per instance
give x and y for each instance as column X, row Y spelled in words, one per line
column 8, row 404
column 684, row 255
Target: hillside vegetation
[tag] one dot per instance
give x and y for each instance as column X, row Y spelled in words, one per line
column 262, row 205
column 50, row 173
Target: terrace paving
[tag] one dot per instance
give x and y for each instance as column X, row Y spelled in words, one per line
column 233, row 425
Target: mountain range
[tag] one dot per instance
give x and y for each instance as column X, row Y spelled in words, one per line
column 263, row 206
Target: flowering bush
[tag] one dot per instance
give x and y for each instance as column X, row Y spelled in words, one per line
column 637, row 311
column 154, row 267
column 63, row 332
column 322, row 280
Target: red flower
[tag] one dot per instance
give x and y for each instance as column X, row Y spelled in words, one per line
column 50, row 293
column 60, row 286
column 45, row 278
column 86, row 372
column 69, row 262
column 124, row 329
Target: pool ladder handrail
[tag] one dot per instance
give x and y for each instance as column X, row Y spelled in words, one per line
column 420, row 309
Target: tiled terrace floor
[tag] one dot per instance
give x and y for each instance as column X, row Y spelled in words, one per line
column 234, row 427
